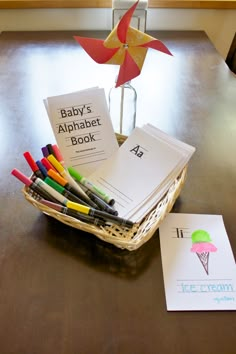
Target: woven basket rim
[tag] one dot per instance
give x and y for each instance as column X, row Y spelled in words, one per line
column 121, row 237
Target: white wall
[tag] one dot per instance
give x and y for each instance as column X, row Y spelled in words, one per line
column 220, row 25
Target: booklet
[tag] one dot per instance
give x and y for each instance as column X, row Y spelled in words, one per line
column 139, row 173
column 82, row 127
column 198, row 263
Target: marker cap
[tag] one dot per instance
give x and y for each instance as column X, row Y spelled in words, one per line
column 58, row 166
column 47, row 164
column 31, row 161
column 54, row 185
column 75, row 174
column 58, row 154
column 42, row 168
column 58, row 178
column 79, row 207
column 27, row 181
column 45, row 151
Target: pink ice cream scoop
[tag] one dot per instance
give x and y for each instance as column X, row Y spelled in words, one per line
column 202, row 246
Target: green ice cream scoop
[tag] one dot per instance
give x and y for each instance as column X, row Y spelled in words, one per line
column 200, row 236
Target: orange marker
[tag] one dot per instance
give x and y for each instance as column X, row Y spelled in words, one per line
column 64, row 183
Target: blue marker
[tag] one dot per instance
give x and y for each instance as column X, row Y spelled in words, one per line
column 42, row 168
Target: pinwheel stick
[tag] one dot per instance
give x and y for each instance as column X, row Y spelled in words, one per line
column 121, row 108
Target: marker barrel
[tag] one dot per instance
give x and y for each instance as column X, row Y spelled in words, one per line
column 102, row 205
column 100, row 214
column 89, row 185
column 58, row 166
column 63, row 182
column 75, row 214
column 30, row 184
column 64, row 192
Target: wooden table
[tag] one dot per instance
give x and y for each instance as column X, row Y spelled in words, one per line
column 63, row 291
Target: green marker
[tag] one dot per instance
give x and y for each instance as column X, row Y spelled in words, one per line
column 64, row 191
column 90, row 186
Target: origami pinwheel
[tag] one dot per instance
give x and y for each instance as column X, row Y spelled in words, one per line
column 125, row 46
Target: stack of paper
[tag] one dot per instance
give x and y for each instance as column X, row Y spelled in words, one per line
column 141, row 171
column 82, row 127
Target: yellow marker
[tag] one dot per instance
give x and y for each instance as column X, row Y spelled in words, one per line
column 99, row 213
column 78, row 207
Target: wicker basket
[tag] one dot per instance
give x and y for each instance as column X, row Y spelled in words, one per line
column 124, row 238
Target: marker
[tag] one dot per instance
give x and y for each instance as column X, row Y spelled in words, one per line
column 100, row 214
column 32, row 185
column 99, row 202
column 64, row 192
column 58, row 166
column 42, row 168
column 64, row 183
column 45, row 151
column 57, row 154
column 56, row 195
column 50, row 149
column 73, row 213
column 47, row 164
column 91, row 186
column 33, row 165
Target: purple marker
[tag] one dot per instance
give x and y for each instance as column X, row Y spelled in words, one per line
column 45, row 151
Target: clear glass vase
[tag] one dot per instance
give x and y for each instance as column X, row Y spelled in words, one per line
column 122, row 108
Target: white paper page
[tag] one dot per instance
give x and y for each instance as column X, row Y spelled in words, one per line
column 135, row 170
column 186, row 150
column 152, row 130
column 151, row 200
column 148, row 204
column 82, row 127
column 188, row 284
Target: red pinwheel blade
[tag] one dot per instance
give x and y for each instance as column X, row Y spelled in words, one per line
column 96, row 49
column 123, row 25
column 128, row 70
column 158, row 45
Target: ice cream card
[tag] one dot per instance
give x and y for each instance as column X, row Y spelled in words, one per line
column 198, row 263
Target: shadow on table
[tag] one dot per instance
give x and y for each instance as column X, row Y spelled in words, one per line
column 97, row 253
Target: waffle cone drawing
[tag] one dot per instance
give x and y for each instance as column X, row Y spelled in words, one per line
column 202, row 247
column 204, row 259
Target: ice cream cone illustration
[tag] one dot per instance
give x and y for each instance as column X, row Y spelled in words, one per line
column 202, row 246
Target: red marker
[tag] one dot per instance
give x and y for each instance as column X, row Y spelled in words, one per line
column 34, row 167
column 58, row 154
column 47, row 164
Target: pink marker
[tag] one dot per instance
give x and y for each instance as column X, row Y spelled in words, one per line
column 27, row 181
column 32, row 185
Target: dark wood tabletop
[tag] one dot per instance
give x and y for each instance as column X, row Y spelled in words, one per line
column 64, row 291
